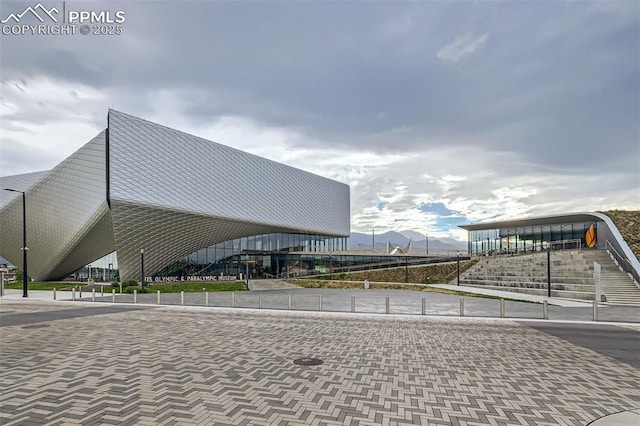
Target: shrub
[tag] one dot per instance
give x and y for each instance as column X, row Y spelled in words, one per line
column 130, row 283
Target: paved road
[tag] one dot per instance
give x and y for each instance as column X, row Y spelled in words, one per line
column 613, row 341
column 186, row 365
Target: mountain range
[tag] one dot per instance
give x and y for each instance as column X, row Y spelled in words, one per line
column 363, row 241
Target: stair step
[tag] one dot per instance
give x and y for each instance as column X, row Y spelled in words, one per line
column 571, row 273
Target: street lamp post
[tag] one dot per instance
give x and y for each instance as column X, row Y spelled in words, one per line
column 373, row 239
column 427, row 240
column 549, row 270
column 458, row 266
column 24, row 241
column 247, row 270
column 406, row 268
column 142, row 270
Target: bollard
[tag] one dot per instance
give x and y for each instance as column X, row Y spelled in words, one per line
column 386, row 305
column 206, row 298
column 502, row 303
column 233, row 299
column 289, row 301
column 93, row 294
column 595, row 310
column 113, row 295
column 54, row 293
column 461, row 307
column 320, row 302
column 182, row 297
column 353, row 303
column 259, row 300
column 135, row 296
column 120, row 284
column 545, row 310
column 158, row 293
column 101, row 290
column 424, row 306
column 73, row 293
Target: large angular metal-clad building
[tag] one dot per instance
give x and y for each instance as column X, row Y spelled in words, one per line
column 139, row 185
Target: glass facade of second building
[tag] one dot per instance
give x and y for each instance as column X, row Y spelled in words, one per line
column 527, row 239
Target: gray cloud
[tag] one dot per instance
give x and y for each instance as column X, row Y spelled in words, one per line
column 554, row 85
column 461, row 46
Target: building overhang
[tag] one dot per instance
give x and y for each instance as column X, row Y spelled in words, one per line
column 537, row 220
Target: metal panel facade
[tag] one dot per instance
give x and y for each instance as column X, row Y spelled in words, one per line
column 169, row 192
column 62, row 209
column 157, row 166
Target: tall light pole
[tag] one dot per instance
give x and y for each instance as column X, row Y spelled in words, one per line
column 24, row 241
column 142, row 270
column 406, row 268
column 549, row 270
column 247, row 270
column 373, row 239
column 427, row 240
column 458, row 266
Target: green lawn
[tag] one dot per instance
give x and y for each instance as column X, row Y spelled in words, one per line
column 47, row 285
column 196, row 286
column 164, row 287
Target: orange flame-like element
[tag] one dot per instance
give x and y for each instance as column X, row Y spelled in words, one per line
column 590, row 237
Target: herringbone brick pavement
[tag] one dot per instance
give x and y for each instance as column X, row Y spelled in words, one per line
column 202, row 366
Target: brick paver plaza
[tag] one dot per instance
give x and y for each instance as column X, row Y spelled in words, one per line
column 179, row 365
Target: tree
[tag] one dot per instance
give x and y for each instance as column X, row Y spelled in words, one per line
column 19, row 276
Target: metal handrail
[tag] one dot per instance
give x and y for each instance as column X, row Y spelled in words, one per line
column 564, row 243
column 463, row 268
column 400, row 261
column 537, row 247
column 623, row 263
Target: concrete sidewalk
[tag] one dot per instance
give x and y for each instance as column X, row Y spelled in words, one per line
column 45, row 295
column 66, row 295
column 567, row 303
column 352, row 301
column 624, row 418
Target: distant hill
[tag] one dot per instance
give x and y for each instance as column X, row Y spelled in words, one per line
column 628, row 223
column 416, row 235
column 418, row 244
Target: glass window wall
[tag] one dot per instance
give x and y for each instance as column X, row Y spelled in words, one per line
column 529, row 239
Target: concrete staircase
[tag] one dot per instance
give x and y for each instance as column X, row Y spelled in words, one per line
column 571, row 276
column 617, row 286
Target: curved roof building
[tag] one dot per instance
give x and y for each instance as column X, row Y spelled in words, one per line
column 139, row 185
column 588, row 230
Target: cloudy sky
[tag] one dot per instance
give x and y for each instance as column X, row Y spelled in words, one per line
column 435, row 113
